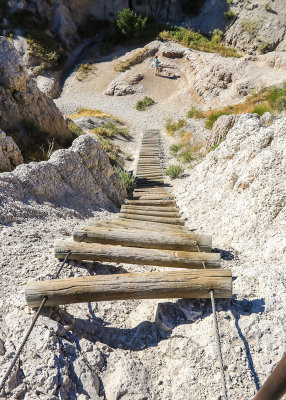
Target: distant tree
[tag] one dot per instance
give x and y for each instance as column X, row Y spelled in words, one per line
column 130, row 24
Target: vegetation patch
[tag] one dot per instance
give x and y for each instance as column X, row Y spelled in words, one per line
column 265, row 100
column 110, row 130
column 194, row 113
column 137, row 58
column 127, row 179
column 112, row 151
column 174, row 148
column 171, row 127
column 229, row 14
column 143, row 104
column 130, row 24
column 195, row 40
column 174, row 171
column 85, row 70
column 87, row 112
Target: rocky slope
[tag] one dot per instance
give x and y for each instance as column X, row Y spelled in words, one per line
column 25, row 112
column 258, row 26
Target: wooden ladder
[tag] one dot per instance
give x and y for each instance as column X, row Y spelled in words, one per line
column 149, row 231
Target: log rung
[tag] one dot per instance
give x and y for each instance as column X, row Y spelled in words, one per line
column 135, row 255
column 155, row 285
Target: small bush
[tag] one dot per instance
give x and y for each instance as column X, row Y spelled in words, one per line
column 172, row 127
column 186, row 155
column 194, row 113
column 110, row 130
column 280, row 104
column 276, row 98
column 174, row 171
column 174, row 148
column 84, row 70
column 127, row 179
column 39, row 68
column 229, row 14
column 130, row 24
column 217, row 36
column 143, row 104
column 261, row 109
column 264, row 48
column 86, row 112
column 268, row 7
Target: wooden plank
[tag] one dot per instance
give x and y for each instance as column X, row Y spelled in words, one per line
column 142, row 217
column 146, row 225
column 155, row 285
column 146, row 239
column 151, row 202
column 154, row 197
column 127, row 207
column 166, row 214
column 135, row 255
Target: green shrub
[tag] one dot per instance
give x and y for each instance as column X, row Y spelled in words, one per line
column 268, row 7
column 127, row 179
column 174, row 148
column 130, row 24
column 194, row 113
column 276, row 97
column 229, row 14
column 39, row 68
column 217, row 36
column 261, row 109
column 141, row 105
column 186, row 155
column 112, row 151
column 174, row 171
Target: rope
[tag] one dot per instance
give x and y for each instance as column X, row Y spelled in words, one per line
column 218, row 345
column 33, row 323
column 217, row 336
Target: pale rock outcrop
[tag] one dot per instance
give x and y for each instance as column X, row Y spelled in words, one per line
column 247, row 170
column 80, row 178
column 220, row 129
column 10, row 155
column 258, row 26
column 125, row 84
column 21, row 101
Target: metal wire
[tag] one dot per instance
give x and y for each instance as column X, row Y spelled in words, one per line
column 33, row 323
column 217, row 335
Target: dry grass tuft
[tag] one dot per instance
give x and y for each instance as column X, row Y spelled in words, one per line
column 137, row 58
column 86, row 112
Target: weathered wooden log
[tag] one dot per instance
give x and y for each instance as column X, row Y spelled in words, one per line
column 155, row 285
column 127, row 207
column 142, row 217
column 151, row 202
column 136, row 255
column 142, row 238
column 134, row 224
column 153, row 197
column 150, row 213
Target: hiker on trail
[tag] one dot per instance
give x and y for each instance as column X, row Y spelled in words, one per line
column 157, row 62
